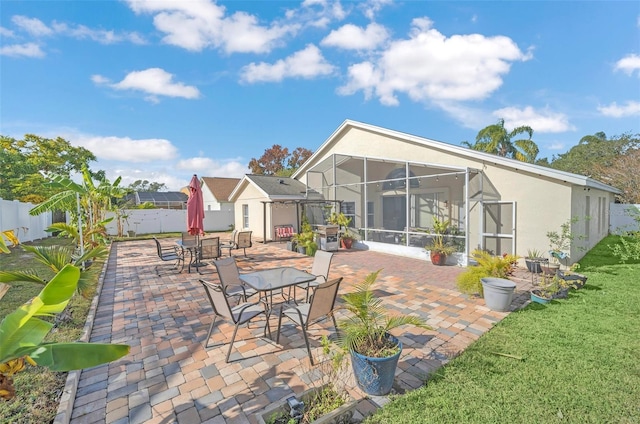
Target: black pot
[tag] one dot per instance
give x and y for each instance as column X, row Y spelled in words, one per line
column 533, row 264
column 575, row 280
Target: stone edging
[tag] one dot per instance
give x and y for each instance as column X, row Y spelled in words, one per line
column 65, row 407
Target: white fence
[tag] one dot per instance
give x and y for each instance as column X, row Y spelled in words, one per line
column 148, row 221
column 14, row 215
column 622, row 217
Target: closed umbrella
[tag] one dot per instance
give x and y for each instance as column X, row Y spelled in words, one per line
column 195, row 208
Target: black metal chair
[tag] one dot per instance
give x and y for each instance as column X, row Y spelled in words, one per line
column 170, row 254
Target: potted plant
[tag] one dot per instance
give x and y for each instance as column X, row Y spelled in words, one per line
column 346, row 235
column 306, row 239
column 533, row 260
column 438, row 248
column 559, row 246
column 365, row 333
column 549, row 288
column 572, row 278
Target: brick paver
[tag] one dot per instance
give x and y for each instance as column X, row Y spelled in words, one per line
column 170, row 377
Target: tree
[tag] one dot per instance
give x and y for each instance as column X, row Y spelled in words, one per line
column 496, row 140
column 25, row 165
column 623, row 174
column 145, row 185
column 594, row 150
column 277, row 161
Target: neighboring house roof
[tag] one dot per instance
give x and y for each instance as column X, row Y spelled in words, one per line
column 272, row 187
column 221, row 188
column 161, row 196
column 516, row 165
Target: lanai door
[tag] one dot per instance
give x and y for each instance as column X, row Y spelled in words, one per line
column 498, row 223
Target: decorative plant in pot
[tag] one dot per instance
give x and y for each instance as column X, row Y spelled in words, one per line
column 439, row 249
column 549, row 288
column 487, row 265
column 365, row 333
column 347, row 236
column 560, row 246
column 572, row 278
column 533, row 260
column 306, row 239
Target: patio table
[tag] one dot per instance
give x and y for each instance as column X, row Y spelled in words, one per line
column 269, row 280
column 193, row 253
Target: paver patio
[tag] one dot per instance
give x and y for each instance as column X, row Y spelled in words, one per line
column 170, row 377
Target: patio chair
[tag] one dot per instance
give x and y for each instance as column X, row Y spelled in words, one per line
column 306, row 314
column 239, row 240
column 189, row 240
column 209, row 249
column 169, row 254
column 320, row 268
column 230, row 279
column 238, row 315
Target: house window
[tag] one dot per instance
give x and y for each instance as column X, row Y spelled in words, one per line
column 370, row 221
column 587, row 217
column 245, row 216
column 349, row 210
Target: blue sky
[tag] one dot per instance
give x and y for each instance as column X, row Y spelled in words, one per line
column 160, row 90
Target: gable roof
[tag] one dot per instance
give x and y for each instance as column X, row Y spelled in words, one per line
column 220, row 187
column 516, row 165
column 272, row 187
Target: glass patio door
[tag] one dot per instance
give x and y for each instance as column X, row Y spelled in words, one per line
column 498, row 223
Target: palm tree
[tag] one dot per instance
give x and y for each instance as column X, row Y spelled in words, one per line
column 495, row 139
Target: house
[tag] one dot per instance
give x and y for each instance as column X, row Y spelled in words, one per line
column 216, row 191
column 393, row 184
column 264, row 202
column 159, row 199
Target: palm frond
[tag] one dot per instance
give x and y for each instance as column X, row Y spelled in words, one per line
column 14, row 276
column 55, row 257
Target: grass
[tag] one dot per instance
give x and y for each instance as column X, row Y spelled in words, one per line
column 580, row 360
column 38, row 390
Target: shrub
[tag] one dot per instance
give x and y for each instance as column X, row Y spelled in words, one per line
column 488, row 266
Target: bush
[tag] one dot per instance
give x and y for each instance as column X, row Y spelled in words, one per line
column 628, row 248
column 488, row 266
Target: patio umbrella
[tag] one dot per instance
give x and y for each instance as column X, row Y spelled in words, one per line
column 195, row 208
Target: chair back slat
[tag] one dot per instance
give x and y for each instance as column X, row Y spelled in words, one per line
column 244, row 240
column 189, row 240
column 219, row 301
column 158, row 246
column 210, row 248
column 321, row 264
column 228, row 271
column 324, row 299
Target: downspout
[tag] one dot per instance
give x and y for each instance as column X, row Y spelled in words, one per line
column 264, row 222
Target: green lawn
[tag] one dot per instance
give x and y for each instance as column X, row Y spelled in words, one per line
column 580, row 361
column 38, row 390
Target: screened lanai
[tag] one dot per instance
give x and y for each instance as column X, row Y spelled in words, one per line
column 394, row 202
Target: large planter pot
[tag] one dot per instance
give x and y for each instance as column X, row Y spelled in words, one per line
column 343, row 414
column 346, row 243
column 498, row 293
column 575, row 280
column 375, row 375
column 549, row 268
column 437, row 258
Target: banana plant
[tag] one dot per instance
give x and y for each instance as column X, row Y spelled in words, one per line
column 22, row 333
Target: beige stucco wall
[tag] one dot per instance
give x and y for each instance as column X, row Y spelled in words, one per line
column 252, row 197
column 542, row 204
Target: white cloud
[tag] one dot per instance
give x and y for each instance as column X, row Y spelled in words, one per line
column 430, row 66
column 631, row 108
column 558, row 145
column 130, row 175
column 371, row 8
column 125, row 149
column 208, row 167
column 199, row 24
column 26, row 50
column 540, row 121
column 154, row 81
column 33, row 26
column 6, row 32
column 352, row 37
column 629, row 64
column 307, row 63
column 101, row 36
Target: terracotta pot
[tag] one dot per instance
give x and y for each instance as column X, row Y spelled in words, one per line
column 346, row 243
column 438, row 258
